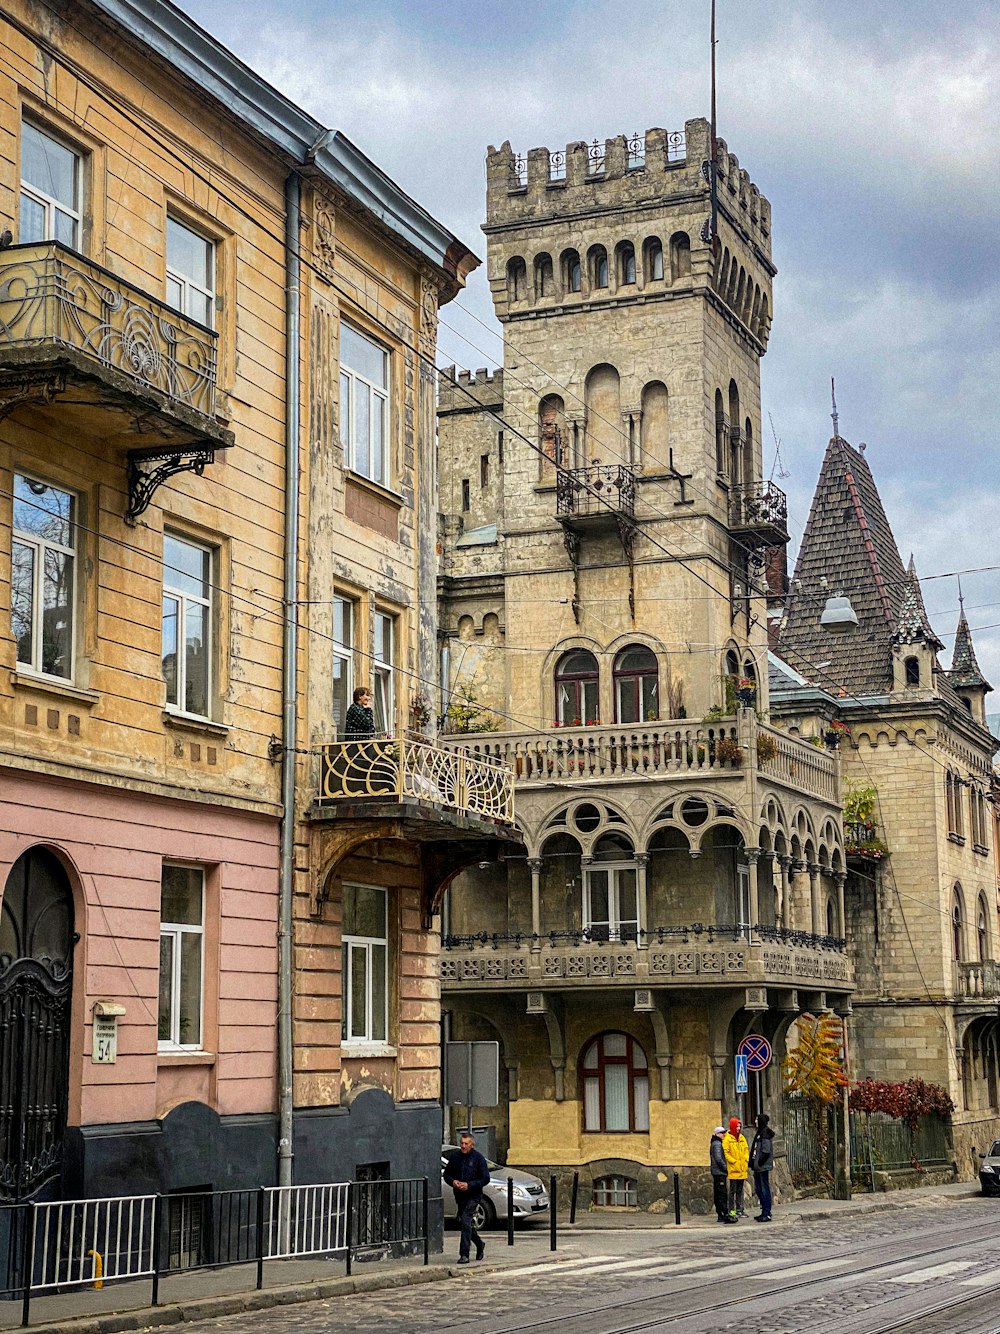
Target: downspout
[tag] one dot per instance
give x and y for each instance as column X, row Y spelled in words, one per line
column 290, row 648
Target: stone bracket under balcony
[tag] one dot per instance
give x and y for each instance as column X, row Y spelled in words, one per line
column 596, row 500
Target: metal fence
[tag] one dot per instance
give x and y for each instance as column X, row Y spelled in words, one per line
column 810, row 1158
column 72, row 1244
column 881, row 1143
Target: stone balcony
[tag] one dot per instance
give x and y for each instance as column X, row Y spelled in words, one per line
column 695, row 957
column 678, row 750
column 979, row 981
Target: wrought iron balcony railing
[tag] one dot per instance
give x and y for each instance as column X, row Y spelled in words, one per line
column 50, row 295
column 761, row 508
column 419, row 769
column 601, row 491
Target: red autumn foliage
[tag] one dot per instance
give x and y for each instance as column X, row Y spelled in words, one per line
column 904, row 1102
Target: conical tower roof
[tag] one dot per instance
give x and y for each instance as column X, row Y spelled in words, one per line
column 912, row 625
column 848, row 548
column 965, row 671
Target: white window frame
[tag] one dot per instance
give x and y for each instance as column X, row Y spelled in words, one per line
column 39, row 546
column 187, row 284
column 615, row 922
column 176, row 931
column 183, row 599
column 384, row 674
column 343, row 652
column 365, row 946
column 48, row 202
column 378, row 470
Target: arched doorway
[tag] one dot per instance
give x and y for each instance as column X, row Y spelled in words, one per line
column 36, row 978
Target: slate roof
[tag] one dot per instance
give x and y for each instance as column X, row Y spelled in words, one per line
column 912, row 625
column 848, row 543
column 964, row 667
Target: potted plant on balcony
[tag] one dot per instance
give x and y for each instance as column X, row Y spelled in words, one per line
column 836, row 733
column 727, row 751
column 746, row 692
column 767, row 748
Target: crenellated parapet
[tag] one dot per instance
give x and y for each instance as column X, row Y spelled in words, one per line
column 469, row 391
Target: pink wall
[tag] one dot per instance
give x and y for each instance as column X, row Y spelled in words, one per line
column 112, row 843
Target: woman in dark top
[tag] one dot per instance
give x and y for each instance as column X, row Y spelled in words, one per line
column 359, row 725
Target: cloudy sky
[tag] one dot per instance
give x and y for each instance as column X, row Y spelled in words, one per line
column 873, row 129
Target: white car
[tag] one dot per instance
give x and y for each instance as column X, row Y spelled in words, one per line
column 989, row 1172
column 530, row 1196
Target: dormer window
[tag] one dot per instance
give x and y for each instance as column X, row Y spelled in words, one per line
column 912, row 668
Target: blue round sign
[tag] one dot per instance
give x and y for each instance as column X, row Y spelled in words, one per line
column 757, row 1050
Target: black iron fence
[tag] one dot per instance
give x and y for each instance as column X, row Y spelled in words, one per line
column 880, row 1143
column 655, row 935
column 66, row 1245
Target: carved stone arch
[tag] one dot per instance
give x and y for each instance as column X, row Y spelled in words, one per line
column 546, row 685
column 503, row 1015
column 748, row 834
column 662, row 1048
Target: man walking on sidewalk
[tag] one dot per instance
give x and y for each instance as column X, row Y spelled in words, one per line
column 761, row 1162
column 737, row 1152
column 467, row 1174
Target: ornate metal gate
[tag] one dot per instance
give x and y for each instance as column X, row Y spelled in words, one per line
column 36, row 953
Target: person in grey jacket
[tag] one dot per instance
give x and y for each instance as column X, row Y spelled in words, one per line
column 761, row 1163
column 720, row 1172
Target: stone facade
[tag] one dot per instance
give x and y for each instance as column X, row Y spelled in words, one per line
column 600, row 601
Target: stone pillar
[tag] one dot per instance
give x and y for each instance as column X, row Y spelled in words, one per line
column 753, row 857
column 785, row 899
column 817, row 924
column 841, row 878
column 641, row 906
column 535, row 867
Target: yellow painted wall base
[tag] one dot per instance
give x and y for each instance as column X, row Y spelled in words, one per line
column 550, row 1132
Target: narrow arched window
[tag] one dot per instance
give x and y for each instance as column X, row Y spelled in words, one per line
column 680, row 256
column 614, row 1076
column 625, row 255
column 636, row 680
column 572, row 277
column 958, row 926
column 911, row 666
column 517, row 279
column 721, row 430
column 544, row 282
column 597, row 261
column 830, row 919
column 577, row 684
column 982, row 933
column 652, row 260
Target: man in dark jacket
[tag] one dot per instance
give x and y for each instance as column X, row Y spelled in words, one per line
column 720, row 1172
column 761, row 1163
column 467, row 1174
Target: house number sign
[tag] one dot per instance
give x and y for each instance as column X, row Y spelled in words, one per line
column 105, row 1032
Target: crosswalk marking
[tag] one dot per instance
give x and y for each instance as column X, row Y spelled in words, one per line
column 604, row 1264
column 558, row 1266
column 946, row 1270
column 986, row 1280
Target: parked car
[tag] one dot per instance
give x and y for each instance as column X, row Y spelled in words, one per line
column 530, row 1196
column 989, row 1172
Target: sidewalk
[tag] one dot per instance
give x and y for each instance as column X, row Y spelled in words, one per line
column 209, row 1294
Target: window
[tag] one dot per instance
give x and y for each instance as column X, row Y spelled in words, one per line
column 385, row 649
column 615, row 1192
column 958, row 925
column 626, row 263
column 190, row 273
column 982, row 933
column 42, row 560
column 182, row 930
column 609, row 891
column 615, row 1082
column 484, row 471
column 544, row 285
column 636, row 685
column 344, row 617
column 572, row 276
column 187, row 624
column 576, row 689
column 365, row 964
column 680, row 256
column 598, row 263
column 652, row 259
column 50, row 189
column 517, row 279
column 364, row 404
column 466, row 496
column 953, row 794
column 912, row 668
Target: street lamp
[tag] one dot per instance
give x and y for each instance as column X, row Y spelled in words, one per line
column 839, row 617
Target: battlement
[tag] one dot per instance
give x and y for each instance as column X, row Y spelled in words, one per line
column 468, row 391
column 636, row 170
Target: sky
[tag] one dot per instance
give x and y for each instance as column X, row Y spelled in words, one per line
column 874, row 132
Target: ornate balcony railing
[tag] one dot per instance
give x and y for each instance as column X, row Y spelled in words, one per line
column 419, row 769
column 979, row 980
column 800, row 765
column 759, row 507
column 657, row 935
column 51, row 295
column 603, row 490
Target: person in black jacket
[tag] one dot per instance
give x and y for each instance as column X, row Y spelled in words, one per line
column 761, row 1163
column 467, row 1174
column 359, row 725
column 720, row 1172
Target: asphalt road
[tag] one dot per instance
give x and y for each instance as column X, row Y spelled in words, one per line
column 933, row 1268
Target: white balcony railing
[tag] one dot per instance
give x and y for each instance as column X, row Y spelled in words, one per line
column 416, row 768
column 979, row 980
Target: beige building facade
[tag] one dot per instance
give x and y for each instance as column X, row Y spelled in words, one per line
column 602, row 631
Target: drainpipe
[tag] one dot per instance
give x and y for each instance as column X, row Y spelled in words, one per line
column 290, row 647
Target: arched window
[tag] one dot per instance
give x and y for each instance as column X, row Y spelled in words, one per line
column 831, row 920
column 609, row 890
column 625, row 257
column 982, row 932
column 735, row 436
column 602, row 397
column 911, row 667
column 614, row 1075
column 572, row 279
column 652, row 259
column 551, row 431
column 655, row 424
column 721, row 427
column 577, row 689
column 636, row 680
column 680, row 256
column 958, row 925
column 544, row 281
column 597, row 266
column 517, row 279
column 748, row 469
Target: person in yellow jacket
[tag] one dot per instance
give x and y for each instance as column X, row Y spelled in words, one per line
column 737, row 1152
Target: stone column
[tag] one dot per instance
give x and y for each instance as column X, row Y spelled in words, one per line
column 817, row 924
column 785, row 898
column 535, row 867
column 641, row 905
column 753, row 857
column 841, row 878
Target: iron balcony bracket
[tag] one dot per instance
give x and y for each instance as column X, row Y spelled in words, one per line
column 148, row 469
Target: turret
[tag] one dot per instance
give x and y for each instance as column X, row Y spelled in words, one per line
column 968, row 681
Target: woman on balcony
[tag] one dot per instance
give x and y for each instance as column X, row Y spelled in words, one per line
column 359, row 724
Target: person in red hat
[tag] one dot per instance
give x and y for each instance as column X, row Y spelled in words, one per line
column 737, row 1152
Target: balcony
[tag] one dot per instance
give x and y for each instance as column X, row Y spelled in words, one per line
column 979, row 981
column 589, row 496
column 758, row 514
column 692, row 957
column 862, row 841
column 140, row 376
column 411, row 770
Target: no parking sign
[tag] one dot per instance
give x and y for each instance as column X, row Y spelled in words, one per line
column 757, row 1051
